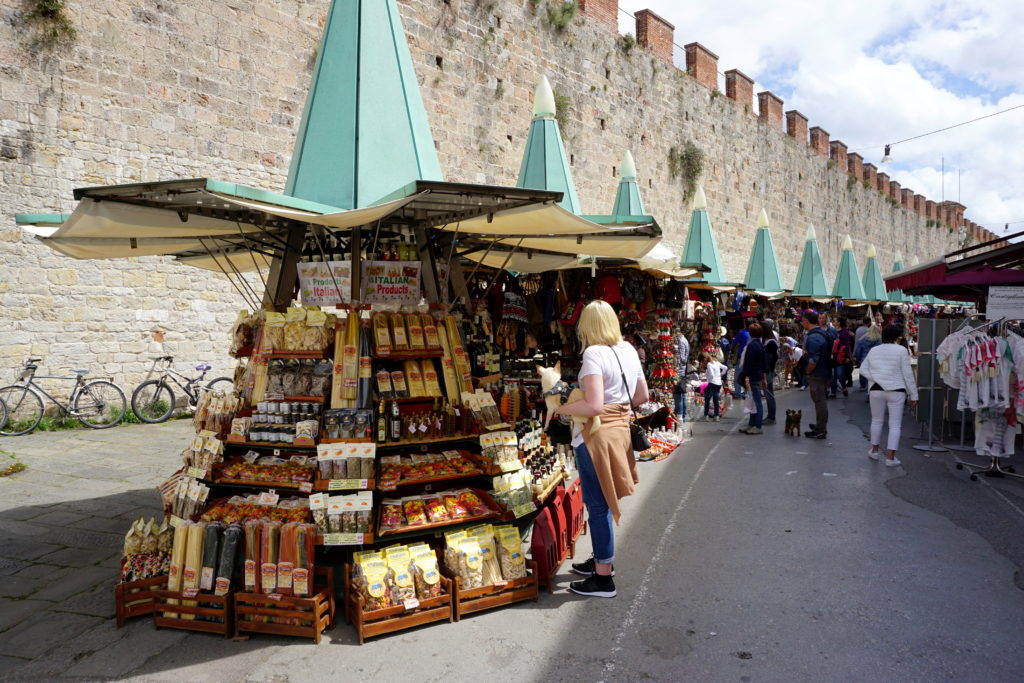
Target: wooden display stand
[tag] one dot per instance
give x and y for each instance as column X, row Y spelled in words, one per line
column 472, row 600
column 136, row 598
column 261, row 613
column 219, row 607
column 378, row 622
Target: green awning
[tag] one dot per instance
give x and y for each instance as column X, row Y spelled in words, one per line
column 763, row 272
column 545, row 166
column 810, row 277
column 848, row 284
column 364, row 130
column 897, row 295
column 627, row 200
column 874, row 285
column 700, row 243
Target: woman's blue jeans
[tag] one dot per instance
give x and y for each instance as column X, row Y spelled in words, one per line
column 711, row 397
column 757, row 418
column 601, row 536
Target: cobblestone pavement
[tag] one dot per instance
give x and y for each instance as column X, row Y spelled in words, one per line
column 739, row 558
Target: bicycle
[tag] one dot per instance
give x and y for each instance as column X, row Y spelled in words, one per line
column 98, row 404
column 153, row 401
column 3, row 414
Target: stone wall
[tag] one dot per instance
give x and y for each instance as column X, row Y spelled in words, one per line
column 155, row 90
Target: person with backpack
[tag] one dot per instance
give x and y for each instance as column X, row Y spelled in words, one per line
column 842, row 354
column 771, row 356
column 819, row 372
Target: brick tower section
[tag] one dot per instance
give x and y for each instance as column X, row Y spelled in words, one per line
column 702, row 65
column 655, row 34
column 769, row 107
column 739, row 87
column 605, row 12
column 855, row 165
column 796, row 126
column 819, row 140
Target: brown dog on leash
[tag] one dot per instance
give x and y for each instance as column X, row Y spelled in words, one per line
column 793, row 422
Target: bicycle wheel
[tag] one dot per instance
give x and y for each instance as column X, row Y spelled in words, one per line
column 153, row 401
column 24, row 410
column 100, row 404
column 3, row 414
column 221, row 384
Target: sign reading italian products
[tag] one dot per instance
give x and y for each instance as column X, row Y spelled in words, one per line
column 396, row 282
column 326, row 284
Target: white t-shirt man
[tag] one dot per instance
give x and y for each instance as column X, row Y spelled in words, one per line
column 601, row 360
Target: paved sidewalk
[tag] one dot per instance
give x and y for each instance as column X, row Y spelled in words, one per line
column 740, row 558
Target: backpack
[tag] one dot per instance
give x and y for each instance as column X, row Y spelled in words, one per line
column 826, row 358
column 840, row 353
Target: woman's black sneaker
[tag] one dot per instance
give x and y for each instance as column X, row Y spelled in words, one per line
column 587, row 568
column 595, row 586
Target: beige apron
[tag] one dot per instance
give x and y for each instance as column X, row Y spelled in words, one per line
column 611, row 450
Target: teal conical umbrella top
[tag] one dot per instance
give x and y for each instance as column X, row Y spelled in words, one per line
column 545, row 166
column 810, row 277
column 364, row 130
column 763, row 272
column 848, row 284
column 627, row 199
column 700, row 242
column 874, row 285
column 897, row 295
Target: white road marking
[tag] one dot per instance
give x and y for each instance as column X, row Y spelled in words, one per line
column 640, row 598
column 801, row 452
column 829, row 474
column 791, row 472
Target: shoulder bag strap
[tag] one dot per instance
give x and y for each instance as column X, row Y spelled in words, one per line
column 625, row 384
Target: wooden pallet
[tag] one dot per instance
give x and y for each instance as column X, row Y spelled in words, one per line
column 468, row 601
column 135, row 598
column 379, row 622
column 220, row 607
column 260, row 613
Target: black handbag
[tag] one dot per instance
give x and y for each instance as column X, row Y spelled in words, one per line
column 637, row 435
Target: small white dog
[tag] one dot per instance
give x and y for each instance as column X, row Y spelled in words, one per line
column 556, row 392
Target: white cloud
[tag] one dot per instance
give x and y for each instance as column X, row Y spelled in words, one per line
column 874, row 72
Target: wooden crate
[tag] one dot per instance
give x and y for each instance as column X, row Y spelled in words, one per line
column 135, row 598
column 315, row 614
column 467, row 601
column 381, row 621
column 220, row 607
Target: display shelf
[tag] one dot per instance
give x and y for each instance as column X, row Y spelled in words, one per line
column 542, row 498
column 345, row 539
column 409, row 355
column 379, row 622
column 136, row 598
column 384, row 486
column 350, row 440
column 470, row 600
column 426, row 442
column 207, row 606
column 260, row 613
column 267, row 444
column 318, row 355
column 246, row 483
column 344, row 484
column 496, row 512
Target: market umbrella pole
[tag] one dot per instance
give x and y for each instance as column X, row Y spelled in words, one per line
column 284, row 271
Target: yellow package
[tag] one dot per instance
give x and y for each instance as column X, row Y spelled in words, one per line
column 414, row 379
column 382, row 334
column 398, row 332
column 415, row 329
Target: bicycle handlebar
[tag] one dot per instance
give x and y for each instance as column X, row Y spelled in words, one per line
column 169, row 359
column 30, row 361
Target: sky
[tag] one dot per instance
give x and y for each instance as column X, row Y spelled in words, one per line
column 875, row 71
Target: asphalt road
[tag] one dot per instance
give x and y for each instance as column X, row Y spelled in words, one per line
column 740, row 558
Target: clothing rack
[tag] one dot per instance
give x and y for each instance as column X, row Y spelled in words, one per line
column 963, row 446
column 993, row 468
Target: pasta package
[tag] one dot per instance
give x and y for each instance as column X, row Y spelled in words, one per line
column 270, row 544
column 510, row 553
column 452, row 540
column 470, row 564
column 174, row 574
column 193, row 563
column 430, row 337
column 305, row 539
column 374, row 586
column 414, row 378
column 414, row 327
column 286, row 559
column 398, row 332
column 490, row 566
column 400, row 574
column 382, row 334
column 251, row 569
column 425, row 573
column 227, row 564
column 211, row 554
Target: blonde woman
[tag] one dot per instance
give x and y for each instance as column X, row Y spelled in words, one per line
column 613, row 381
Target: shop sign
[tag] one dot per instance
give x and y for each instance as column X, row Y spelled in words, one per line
column 325, row 284
column 1005, row 302
column 391, row 282
column 343, row 539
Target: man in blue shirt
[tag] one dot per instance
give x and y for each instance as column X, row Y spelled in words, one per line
column 739, row 342
column 819, row 372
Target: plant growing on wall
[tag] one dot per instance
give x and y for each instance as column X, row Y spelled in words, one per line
column 51, row 21
column 563, row 105
column 627, row 43
column 559, row 13
column 687, row 164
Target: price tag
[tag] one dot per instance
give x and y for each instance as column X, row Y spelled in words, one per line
column 190, row 592
column 277, row 452
column 196, row 472
column 343, row 539
column 411, row 603
column 274, row 596
column 306, row 487
column 268, row 498
column 389, row 485
column 273, row 397
column 524, row 509
column 500, row 584
column 343, row 484
column 176, row 521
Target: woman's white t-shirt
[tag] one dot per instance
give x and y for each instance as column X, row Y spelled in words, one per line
column 601, row 360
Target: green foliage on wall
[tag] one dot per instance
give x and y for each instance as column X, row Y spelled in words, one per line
column 687, row 164
column 51, row 22
column 563, row 105
column 559, row 13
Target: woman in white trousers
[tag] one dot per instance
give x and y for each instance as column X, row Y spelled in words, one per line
column 890, row 384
